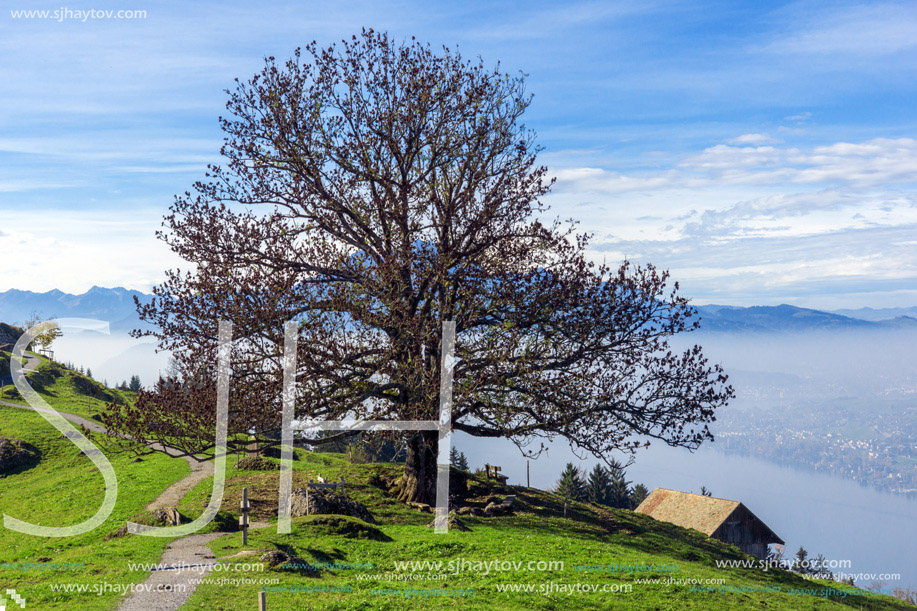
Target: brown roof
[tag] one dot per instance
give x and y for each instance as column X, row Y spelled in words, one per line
column 688, row 510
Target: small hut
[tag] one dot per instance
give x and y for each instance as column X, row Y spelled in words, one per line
column 728, row 521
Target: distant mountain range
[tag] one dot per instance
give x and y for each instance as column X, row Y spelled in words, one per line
column 790, row 318
column 116, row 305
column 879, row 314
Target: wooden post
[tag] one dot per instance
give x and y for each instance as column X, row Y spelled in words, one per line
column 243, row 521
column 528, row 480
column 262, row 601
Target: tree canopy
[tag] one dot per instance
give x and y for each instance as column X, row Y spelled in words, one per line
column 372, row 190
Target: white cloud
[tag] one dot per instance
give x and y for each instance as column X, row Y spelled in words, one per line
column 800, row 118
column 74, row 250
column 738, row 222
column 881, row 161
column 753, row 139
column 852, row 266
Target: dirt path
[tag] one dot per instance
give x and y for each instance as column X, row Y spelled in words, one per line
column 184, row 564
column 172, row 495
column 185, row 561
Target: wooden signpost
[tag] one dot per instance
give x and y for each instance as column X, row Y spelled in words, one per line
column 243, row 521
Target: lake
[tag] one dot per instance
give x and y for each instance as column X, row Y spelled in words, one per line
column 826, row 514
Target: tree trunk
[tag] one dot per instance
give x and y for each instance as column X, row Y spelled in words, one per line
column 419, row 480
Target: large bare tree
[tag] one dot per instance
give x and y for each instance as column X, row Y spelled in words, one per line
column 374, row 189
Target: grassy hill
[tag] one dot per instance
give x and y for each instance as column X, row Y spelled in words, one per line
column 357, row 561
column 63, row 489
column 589, row 542
column 66, row 390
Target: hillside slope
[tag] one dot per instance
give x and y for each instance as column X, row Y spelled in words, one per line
column 65, row 488
column 605, row 558
column 594, row 558
column 65, row 389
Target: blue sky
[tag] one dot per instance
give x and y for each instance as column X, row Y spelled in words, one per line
column 764, row 152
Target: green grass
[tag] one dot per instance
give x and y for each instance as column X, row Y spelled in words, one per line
column 65, row 489
column 67, row 390
column 589, row 536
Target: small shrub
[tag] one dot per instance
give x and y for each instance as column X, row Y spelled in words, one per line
column 256, row 463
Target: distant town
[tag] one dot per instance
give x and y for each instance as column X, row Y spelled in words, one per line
column 872, row 444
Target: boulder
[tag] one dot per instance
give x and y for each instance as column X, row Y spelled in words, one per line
column 323, row 501
column 282, row 561
column 15, row 453
column 167, row 516
column 454, row 523
column 164, row 516
column 497, row 509
column 470, row 511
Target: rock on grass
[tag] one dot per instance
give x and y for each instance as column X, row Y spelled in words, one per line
column 324, row 502
column 454, row 523
column 280, row 560
column 15, row 454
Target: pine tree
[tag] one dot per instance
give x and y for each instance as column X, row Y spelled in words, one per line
column 801, row 561
column 454, row 457
column 819, row 567
column 638, row 494
column 570, row 485
column 620, row 488
column 88, row 372
column 598, row 486
column 134, row 385
column 457, row 459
